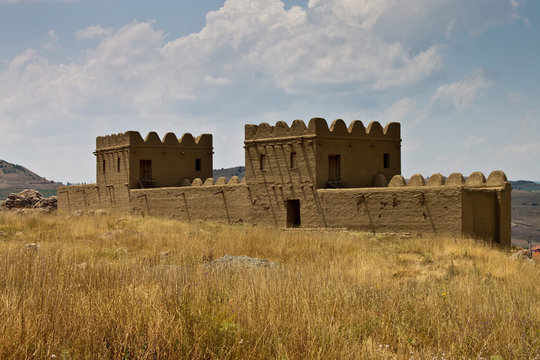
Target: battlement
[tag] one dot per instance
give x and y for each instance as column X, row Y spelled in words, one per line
column 477, row 179
column 134, row 138
column 219, row 182
column 319, row 127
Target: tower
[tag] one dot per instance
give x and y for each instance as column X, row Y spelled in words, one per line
column 126, row 160
column 324, row 157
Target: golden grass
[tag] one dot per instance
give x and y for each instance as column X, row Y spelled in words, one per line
column 334, row 295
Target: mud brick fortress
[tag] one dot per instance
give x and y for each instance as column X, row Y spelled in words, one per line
column 298, row 176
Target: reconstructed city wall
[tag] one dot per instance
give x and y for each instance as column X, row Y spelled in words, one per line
column 477, row 207
column 307, row 176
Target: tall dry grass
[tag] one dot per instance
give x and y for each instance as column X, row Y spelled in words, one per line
column 334, row 295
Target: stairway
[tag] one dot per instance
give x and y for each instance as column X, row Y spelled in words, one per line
column 147, row 183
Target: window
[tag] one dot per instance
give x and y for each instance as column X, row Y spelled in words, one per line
column 334, row 168
column 262, row 162
column 118, row 165
column 293, row 160
column 104, row 165
column 197, row 164
column 386, row 160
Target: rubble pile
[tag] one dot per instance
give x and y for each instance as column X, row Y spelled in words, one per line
column 29, row 199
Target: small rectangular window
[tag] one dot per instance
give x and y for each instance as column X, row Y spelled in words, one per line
column 118, row 165
column 386, row 160
column 104, row 165
column 293, row 160
column 262, row 162
column 197, row 164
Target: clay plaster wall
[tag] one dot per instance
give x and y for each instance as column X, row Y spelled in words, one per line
column 92, row 197
column 477, row 208
column 277, row 143
column 487, row 208
column 107, row 170
column 228, row 203
column 410, row 209
column 278, row 168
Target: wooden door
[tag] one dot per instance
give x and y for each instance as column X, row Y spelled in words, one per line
column 145, row 172
column 334, row 168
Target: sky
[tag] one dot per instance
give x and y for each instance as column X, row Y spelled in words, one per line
column 462, row 77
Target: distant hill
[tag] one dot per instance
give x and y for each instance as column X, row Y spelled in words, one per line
column 525, row 185
column 239, row 171
column 14, row 178
column 525, row 216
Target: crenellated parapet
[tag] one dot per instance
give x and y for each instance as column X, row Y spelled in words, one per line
column 319, row 127
column 134, row 138
column 219, row 182
column 477, row 179
column 114, row 140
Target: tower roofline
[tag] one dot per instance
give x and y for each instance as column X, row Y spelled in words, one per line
column 134, row 138
column 319, row 127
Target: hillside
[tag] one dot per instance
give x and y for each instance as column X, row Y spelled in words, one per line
column 14, row 178
column 525, row 185
column 525, row 216
column 239, row 171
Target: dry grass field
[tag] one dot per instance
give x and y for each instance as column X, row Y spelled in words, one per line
column 145, row 288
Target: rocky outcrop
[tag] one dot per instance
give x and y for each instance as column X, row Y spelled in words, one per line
column 49, row 203
column 30, row 199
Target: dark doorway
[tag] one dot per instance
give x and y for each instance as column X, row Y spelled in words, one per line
column 145, row 170
column 386, row 160
column 334, row 168
column 293, row 213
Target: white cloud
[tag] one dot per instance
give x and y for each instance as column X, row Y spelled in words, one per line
column 528, row 150
column 52, row 41
column 245, row 43
column 424, row 20
column 404, row 110
column 93, row 32
column 460, row 94
column 520, row 159
column 473, row 140
column 260, row 50
column 514, row 96
column 216, row 81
